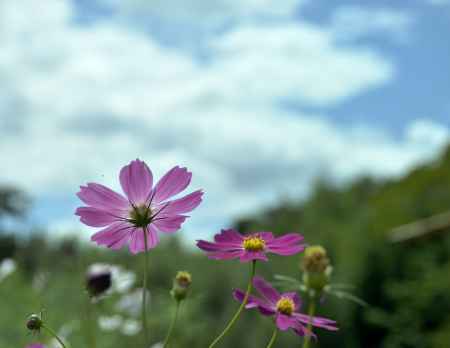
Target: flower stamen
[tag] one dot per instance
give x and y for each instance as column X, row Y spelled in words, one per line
column 254, row 243
column 285, row 305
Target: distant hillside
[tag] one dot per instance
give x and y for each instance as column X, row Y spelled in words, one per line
column 407, row 284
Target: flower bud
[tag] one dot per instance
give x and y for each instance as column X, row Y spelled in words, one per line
column 316, row 267
column 315, row 259
column 34, row 322
column 181, row 285
column 98, row 280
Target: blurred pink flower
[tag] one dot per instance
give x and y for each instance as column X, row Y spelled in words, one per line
column 36, row 345
column 144, row 209
column 229, row 244
column 284, row 307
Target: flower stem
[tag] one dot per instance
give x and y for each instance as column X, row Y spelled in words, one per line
column 90, row 325
column 52, row 333
column 274, row 336
column 172, row 325
column 241, row 307
column 144, row 290
column 311, row 311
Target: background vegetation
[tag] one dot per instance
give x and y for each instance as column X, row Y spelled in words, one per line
column 406, row 284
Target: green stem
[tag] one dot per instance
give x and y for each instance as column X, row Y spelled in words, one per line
column 52, row 333
column 144, row 290
column 311, row 311
column 241, row 307
column 172, row 325
column 91, row 324
column 274, row 336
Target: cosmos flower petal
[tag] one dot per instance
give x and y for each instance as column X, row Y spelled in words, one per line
column 286, row 250
column 323, row 323
column 136, row 180
column 225, row 255
column 95, row 217
column 170, row 224
column 287, row 239
column 172, row 183
column 102, row 197
column 184, row 204
column 208, row 246
column 284, row 322
column 266, row 290
column 137, row 243
column 253, row 255
column 109, row 234
column 229, row 236
column 254, row 302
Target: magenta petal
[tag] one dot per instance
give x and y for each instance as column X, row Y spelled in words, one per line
column 170, row 224
column 95, row 217
column 99, row 196
column 266, row 290
column 109, row 234
column 172, row 183
column 286, row 250
column 284, row 322
column 253, row 255
column 136, row 180
column 229, row 236
column 287, row 239
column 224, row 255
column 184, row 204
column 137, row 243
column 254, row 302
column 317, row 321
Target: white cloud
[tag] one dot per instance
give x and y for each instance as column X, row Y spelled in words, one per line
column 351, row 22
column 297, row 62
column 80, row 102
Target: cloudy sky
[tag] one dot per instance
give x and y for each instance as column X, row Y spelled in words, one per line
column 256, row 97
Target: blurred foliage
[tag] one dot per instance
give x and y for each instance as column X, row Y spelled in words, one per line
column 406, row 285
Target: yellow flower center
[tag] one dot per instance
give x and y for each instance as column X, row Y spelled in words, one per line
column 285, row 305
column 254, row 244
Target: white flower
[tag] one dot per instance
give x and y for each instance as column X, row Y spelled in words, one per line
column 131, row 327
column 7, row 266
column 110, row 323
column 131, row 303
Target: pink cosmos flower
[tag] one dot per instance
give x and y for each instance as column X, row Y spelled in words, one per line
column 36, row 345
column 143, row 209
column 284, row 307
column 229, row 244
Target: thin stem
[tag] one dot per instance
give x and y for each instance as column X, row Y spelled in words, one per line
column 53, row 333
column 241, row 307
column 172, row 325
column 91, row 324
column 311, row 311
column 274, row 336
column 144, row 290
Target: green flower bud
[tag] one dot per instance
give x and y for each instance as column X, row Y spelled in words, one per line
column 317, row 269
column 315, row 259
column 181, row 285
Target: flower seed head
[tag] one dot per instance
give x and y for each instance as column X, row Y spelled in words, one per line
column 34, row 322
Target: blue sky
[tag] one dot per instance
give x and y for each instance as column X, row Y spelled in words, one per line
column 257, row 97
